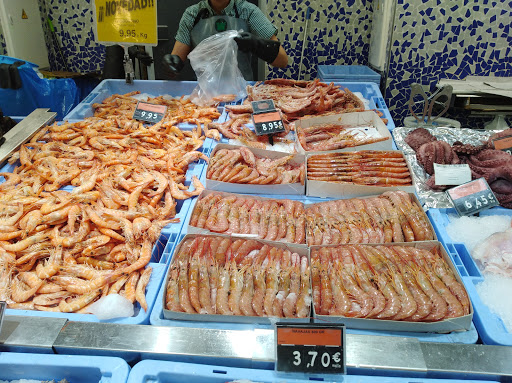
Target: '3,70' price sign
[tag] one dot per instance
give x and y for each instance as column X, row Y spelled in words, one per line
column 311, row 349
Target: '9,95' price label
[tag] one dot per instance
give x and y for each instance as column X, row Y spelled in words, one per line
column 149, row 112
column 472, row 197
column 311, row 349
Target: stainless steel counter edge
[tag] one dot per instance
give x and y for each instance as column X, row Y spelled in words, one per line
column 254, row 347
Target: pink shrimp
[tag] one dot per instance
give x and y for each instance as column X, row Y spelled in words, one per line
column 290, row 301
column 223, row 286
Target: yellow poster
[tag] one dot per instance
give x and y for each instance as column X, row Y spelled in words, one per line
column 126, row 21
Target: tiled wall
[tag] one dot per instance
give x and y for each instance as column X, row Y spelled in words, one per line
column 338, row 33
column 73, row 21
column 435, row 39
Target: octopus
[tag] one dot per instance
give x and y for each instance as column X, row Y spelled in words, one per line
column 419, row 137
column 438, row 152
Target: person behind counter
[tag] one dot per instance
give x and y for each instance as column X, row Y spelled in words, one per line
column 209, row 17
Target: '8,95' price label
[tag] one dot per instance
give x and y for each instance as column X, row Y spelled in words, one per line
column 472, row 197
column 311, row 349
column 149, row 112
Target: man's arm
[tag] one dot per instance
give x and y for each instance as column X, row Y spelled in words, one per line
column 181, row 50
column 281, row 60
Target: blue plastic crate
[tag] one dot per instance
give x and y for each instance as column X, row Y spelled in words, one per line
column 353, row 73
column 75, row 369
column 489, row 325
column 140, row 316
column 109, row 87
column 153, row 371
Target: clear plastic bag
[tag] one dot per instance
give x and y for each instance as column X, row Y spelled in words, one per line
column 216, row 65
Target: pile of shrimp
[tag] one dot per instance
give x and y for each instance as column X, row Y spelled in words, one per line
column 218, row 275
column 333, row 136
column 366, row 167
column 391, row 217
column 242, row 166
column 270, row 219
column 60, row 250
column 178, row 110
column 385, row 282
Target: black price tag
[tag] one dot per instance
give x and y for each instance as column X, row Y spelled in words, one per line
column 472, row 197
column 503, row 144
column 149, row 112
column 266, row 118
column 314, row 348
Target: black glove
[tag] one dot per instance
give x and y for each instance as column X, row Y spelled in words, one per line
column 143, row 56
column 267, row 50
column 173, row 64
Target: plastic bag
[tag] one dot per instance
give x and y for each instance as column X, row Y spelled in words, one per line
column 216, row 65
column 59, row 95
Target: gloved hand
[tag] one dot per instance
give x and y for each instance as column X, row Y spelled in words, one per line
column 143, row 56
column 267, row 50
column 173, row 64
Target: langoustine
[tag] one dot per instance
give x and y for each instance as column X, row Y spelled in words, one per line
column 366, row 167
column 386, row 282
column 250, row 278
column 391, row 217
column 242, row 166
column 274, row 220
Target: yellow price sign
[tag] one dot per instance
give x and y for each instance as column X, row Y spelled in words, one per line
column 126, row 21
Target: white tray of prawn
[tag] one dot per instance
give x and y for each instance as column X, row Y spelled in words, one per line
column 239, row 169
column 342, row 133
column 391, row 287
column 248, row 216
column 217, row 278
column 357, row 173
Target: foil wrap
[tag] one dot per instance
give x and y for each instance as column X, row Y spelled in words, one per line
column 429, row 198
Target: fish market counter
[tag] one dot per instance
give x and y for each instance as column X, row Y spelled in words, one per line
column 366, row 354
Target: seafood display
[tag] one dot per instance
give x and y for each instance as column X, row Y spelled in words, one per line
column 61, row 249
column 333, row 136
column 483, row 160
column 400, row 283
column 492, row 255
column 270, row 219
column 366, row 167
column 391, row 217
column 220, row 275
column 293, row 99
column 178, row 110
column 242, row 166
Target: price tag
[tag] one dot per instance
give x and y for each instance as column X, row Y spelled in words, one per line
column 266, row 118
column 3, row 305
column 126, row 21
column 504, row 144
column 457, row 174
column 472, row 197
column 149, row 112
column 314, row 348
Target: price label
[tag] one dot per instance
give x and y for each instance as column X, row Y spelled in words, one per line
column 452, row 174
column 472, row 197
column 504, row 144
column 311, row 348
column 149, row 112
column 3, row 305
column 126, row 21
column 266, row 118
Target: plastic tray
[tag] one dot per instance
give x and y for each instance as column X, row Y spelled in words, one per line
column 75, row 369
column 489, row 325
column 353, row 73
column 140, row 316
column 154, row 371
column 107, row 88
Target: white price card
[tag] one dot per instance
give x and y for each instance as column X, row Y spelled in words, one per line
column 457, row 174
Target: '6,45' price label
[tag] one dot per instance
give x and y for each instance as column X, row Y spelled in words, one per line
column 472, row 197
column 311, row 349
